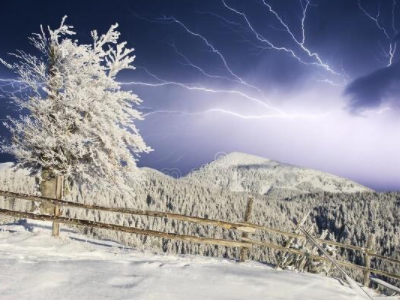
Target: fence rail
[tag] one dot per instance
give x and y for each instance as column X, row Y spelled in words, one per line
column 244, row 243
column 93, row 224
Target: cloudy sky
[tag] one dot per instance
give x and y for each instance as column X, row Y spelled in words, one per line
column 314, row 84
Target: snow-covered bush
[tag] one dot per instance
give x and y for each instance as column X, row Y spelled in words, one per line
column 75, row 120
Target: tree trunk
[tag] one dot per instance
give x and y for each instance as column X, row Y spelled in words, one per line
column 48, row 188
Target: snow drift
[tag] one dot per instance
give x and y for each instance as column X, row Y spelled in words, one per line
column 75, row 267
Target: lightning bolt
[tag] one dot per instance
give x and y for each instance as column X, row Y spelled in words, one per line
column 392, row 43
column 317, row 61
column 213, row 50
column 236, row 114
column 224, row 20
column 330, row 82
column 374, row 19
column 392, row 52
column 200, row 88
column 272, row 111
column 189, row 63
column 236, row 78
column 377, row 111
column 394, row 3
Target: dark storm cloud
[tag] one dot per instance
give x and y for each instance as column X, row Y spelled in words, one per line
column 375, row 89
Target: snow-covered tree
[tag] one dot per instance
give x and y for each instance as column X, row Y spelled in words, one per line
column 75, row 120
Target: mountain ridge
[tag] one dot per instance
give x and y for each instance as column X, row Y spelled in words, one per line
column 241, row 172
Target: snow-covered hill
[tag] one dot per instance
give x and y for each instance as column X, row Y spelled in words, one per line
column 239, row 172
column 349, row 217
column 33, row 265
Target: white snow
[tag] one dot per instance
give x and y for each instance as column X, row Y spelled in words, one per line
column 241, row 172
column 78, row 121
column 34, row 265
column 5, row 166
column 237, row 159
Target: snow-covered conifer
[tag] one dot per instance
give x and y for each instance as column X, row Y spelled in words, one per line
column 75, row 119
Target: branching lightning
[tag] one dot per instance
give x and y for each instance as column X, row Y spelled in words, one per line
column 316, row 59
column 225, row 20
column 194, row 66
column 313, row 59
column 394, row 3
column 391, row 38
column 374, row 19
column 235, row 114
column 200, row 88
column 213, row 50
column 273, row 111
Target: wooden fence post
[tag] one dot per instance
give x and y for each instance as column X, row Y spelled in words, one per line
column 59, row 195
column 244, row 252
column 367, row 261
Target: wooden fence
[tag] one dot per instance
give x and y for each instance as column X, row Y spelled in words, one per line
column 245, row 242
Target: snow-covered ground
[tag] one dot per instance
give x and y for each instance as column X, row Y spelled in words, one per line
column 34, row 265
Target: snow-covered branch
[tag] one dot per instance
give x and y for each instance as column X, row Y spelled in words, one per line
column 80, row 123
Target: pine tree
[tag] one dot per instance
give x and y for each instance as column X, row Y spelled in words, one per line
column 79, row 122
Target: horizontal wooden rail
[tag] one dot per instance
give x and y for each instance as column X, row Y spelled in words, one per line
column 316, row 257
column 203, row 221
column 245, row 242
column 300, row 236
column 326, row 242
column 93, row 224
column 240, row 226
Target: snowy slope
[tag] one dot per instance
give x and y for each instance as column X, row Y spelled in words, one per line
column 239, row 172
column 33, row 265
column 350, row 218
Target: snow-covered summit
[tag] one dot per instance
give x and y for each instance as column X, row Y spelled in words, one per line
column 235, row 159
column 240, row 172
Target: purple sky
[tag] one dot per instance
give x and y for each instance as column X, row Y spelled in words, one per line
column 219, row 76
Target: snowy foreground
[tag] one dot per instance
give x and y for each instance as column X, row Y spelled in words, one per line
column 33, row 265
